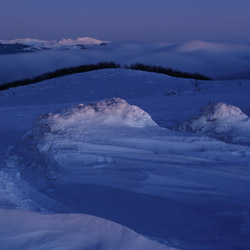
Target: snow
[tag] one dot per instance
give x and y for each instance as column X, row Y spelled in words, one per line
column 81, row 41
column 29, row 231
column 221, row 121
column 109, row 112
column 100, row 147
column 54, row 44
column 25, row 41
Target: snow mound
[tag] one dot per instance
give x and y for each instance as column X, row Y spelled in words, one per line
column 222, row 121
column 62, row 131
column 109, row 112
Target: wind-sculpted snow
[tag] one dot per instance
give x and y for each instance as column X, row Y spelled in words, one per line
column 109, row 112
column 110, row 160
column 221, row 121
column 55, row 132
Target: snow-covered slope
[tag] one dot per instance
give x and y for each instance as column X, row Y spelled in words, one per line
column 66, row 148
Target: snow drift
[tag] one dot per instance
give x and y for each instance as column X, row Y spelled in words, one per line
column 221, row 121
column 109, row 112
column 55, row 135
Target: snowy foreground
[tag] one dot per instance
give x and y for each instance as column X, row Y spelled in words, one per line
column 120, row 159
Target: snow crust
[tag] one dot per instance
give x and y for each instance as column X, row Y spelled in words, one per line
column 222, row 121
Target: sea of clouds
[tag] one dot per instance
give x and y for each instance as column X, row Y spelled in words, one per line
column 217, row 60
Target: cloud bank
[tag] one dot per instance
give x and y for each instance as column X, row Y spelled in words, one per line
column 217, row 60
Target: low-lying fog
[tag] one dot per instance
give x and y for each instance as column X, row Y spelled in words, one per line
column 217, row 60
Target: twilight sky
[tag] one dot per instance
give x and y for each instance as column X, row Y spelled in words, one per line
column 127, row 20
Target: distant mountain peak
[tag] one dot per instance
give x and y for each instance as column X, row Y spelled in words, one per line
column 36, row 44
column 81, row 41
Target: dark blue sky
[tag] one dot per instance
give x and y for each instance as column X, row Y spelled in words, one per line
column 128, row 20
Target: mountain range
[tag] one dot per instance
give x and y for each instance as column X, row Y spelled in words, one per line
column 31, row 45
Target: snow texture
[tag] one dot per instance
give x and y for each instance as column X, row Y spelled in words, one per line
column 111, row 160
column 109, row 112
column 29, row 231
column 222, row 121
